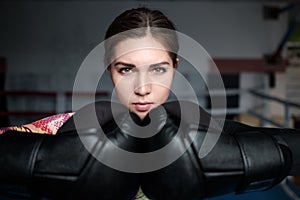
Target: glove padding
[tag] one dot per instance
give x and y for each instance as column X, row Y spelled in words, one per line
column 243, row 159
column 61, row 167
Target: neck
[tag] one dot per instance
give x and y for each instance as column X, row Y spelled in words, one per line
column 141, row 121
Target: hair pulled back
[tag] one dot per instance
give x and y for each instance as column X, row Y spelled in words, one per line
column 137, row 23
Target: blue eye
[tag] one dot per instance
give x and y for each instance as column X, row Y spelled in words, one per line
column 126, row 70
column 159, row 70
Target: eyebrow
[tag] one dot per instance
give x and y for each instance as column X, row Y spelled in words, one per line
column 124, row 64
column 132, row 65
column 161, row 63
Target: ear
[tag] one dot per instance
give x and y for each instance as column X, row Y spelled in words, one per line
column 176, row 63
column 108, row 68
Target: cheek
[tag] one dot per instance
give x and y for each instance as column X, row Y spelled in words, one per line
column 161, row 89
column 160, row 93
column 123, row 89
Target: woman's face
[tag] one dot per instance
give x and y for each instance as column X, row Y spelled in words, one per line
column 142, row 73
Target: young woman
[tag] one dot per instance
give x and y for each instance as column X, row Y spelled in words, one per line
column 141, row 56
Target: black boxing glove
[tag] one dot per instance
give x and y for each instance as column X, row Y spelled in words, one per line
column 286, row 137
column 243, row 159
column 33, row 166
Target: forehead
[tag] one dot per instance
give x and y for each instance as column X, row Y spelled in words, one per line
column 141, row 51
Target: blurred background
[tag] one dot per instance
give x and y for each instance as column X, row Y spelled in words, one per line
column 255, row 45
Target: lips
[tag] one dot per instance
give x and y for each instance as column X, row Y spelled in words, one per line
column 142, row 106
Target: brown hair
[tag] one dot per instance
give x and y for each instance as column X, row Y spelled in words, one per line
column 151, row 21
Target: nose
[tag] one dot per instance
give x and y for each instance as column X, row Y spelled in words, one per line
column 142, row 86
column 143, row 90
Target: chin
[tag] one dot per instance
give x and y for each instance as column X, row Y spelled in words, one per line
column 142, row 115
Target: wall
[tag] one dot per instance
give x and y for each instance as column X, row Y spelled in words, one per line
column 46, row 42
